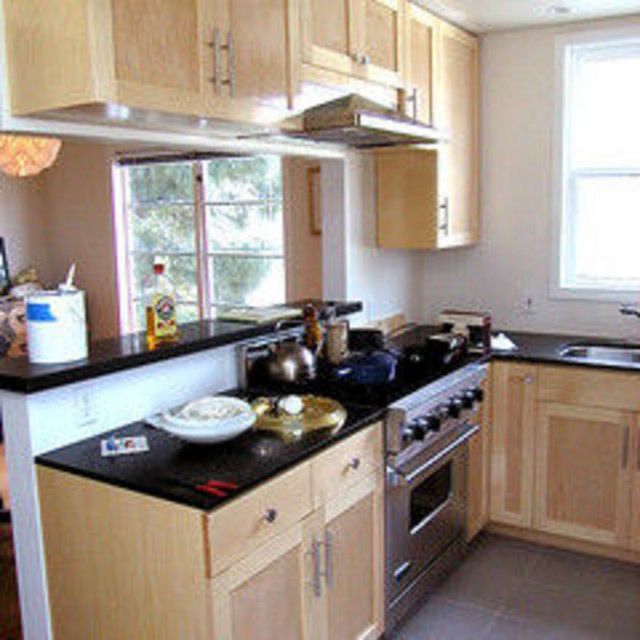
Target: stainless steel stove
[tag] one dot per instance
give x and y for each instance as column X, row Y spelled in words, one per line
column 426, row 485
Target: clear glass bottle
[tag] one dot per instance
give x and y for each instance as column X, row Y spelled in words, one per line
column 162, row 326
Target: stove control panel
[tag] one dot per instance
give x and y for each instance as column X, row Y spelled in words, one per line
column 420, row 428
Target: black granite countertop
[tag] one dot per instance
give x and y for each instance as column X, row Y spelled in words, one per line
column 545, row 348
column 171, row 466
column 126, row 352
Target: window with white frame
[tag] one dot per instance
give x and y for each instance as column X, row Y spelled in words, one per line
column 216, row 224
column 600, row 217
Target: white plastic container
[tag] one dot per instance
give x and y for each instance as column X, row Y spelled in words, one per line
column 56, row 326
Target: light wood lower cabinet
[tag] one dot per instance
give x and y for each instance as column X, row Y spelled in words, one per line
column 635, row 495
column 478, row 469
column 514, row 397
column 282, row 562
column 583, row 472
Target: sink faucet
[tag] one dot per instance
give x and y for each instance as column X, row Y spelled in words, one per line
column 630, row 310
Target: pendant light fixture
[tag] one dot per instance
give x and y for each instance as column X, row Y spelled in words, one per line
column 24, row 156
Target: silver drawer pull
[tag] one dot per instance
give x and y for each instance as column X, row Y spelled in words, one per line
column 354, row 463
column 270, row 515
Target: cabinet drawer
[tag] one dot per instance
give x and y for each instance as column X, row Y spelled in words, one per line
column 584, row 386
column 346, row 464
column 272, row 508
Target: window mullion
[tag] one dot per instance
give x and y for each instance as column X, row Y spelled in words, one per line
column 201, row 240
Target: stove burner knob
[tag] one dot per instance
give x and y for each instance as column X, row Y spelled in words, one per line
column 442, row 412
column 455, row 407
column 432, row 423
column 478, row 394
column 419, row 429
column 468, row 399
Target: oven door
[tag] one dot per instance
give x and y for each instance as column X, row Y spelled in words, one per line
column 426, row 508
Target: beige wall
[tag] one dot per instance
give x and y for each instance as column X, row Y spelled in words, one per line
column 78, row 215
column 22, row 224
column 514, row 260
column 303, row 249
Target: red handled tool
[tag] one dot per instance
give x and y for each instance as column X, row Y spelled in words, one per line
column 218, row 488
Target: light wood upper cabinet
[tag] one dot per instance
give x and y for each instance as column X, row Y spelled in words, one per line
column 358, row 38
column 583, row 472
column 512, row 430
column 120, row 59
column 421, row 50
column 456, row 111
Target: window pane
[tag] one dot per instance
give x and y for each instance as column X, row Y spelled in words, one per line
column 153, row 182
column 181, row 270
column 607, row 228
column 233, row 179
column 247, row 281
column 605, row 107
column 256, row 228
column 165, row 227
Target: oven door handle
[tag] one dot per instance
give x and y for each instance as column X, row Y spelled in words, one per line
column 408, row 478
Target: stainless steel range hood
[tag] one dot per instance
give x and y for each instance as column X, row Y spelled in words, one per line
column 358, row 122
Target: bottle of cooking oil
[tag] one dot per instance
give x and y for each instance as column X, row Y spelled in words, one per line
column 162, row 326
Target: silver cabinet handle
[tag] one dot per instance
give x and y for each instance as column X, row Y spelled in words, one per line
column 528, row 379
column 413, row 98
column 231, row 65
column 215, row 45
column 354, row 463
column 444, row 206
column 270, row 515
column 625, row 446
column 316, row 580
column 328, row 558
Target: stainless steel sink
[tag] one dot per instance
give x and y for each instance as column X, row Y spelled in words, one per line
column 619, row 353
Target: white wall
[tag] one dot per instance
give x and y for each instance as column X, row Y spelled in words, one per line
column 513, row 261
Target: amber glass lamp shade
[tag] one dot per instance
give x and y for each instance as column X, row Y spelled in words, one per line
column 24, row 156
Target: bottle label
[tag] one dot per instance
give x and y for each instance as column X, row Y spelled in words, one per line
column 164, row 316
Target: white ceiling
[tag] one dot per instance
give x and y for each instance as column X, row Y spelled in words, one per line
column 491, row 15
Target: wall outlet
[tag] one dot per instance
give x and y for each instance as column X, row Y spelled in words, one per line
column 85, row 407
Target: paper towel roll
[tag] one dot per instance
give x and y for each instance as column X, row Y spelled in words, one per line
column 56, row 326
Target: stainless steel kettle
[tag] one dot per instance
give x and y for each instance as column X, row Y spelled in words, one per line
column 290, row 362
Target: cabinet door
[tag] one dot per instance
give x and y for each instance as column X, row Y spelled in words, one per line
column 421, row 61
column 268, row 594
column 354, row 560
column 513, row 421
column 381, row 28
column 635, row 503
column 250, row 74
column 478, row 469
column 157, row 53
column 457, row 113
column 583, row 472
column 329, row 34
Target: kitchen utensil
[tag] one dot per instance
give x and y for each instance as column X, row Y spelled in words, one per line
column 377, row 367
column 217, row 488
column 207, row 420
column 337, row 341
column 318, row 413
column 290, row 362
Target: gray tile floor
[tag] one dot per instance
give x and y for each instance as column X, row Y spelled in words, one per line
column 512, row 590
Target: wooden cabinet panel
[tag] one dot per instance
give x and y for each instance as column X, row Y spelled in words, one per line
column 121, row 565
column 478, row 469
column 585, row 386
column 266, row 594
column 157, row 43
column 421, row 63
column 248, row 522
column 635, row 498
column 513, row 421
column 346, row 464
column 583, row 474
column 382, row 40
column 457, row 113
column 355, row 551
